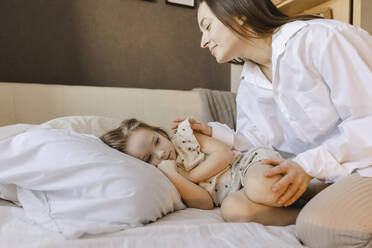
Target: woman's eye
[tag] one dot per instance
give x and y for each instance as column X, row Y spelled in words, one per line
column 148, row 159
column 157, row 141
column 209, row 27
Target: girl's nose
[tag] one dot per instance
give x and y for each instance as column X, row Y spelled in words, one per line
column 161, row 155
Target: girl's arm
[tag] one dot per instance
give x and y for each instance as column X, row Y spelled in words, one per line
column 218, row 157
column 193, row 195
column 241, row 141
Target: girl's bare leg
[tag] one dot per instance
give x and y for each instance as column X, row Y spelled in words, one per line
column 238, row 208
column 256, row 202
column 259, row 188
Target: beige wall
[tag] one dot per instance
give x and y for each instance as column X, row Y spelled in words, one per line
column 123, row 43
column 363, row 14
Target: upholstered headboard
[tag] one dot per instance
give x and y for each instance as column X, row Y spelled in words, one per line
column 36, row 103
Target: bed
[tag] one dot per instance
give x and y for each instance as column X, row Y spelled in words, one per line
column 32, row 104
column 185, row 228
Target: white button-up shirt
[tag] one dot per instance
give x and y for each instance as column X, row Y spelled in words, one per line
column 319, row 104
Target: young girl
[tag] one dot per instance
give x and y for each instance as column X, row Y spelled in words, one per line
column 204, row 170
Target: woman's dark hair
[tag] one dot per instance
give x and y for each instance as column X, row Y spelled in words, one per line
column 261, row 17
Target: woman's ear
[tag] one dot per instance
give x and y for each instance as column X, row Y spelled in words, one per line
column 241, row 20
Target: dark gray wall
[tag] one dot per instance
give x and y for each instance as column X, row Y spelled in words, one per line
column 122, row 43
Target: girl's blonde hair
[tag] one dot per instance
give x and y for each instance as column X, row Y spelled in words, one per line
column 118, row 137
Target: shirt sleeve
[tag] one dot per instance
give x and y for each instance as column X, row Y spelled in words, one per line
column 234, row 140
column 223, row 133
column 247, row 135
column 345, row 63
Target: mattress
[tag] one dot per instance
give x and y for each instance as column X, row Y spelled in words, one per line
column 185, row 228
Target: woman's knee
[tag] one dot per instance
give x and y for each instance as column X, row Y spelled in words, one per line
column 329, row 220
column 258, row 187
column 314, row 232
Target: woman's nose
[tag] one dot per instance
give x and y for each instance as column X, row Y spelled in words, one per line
column 204, row 41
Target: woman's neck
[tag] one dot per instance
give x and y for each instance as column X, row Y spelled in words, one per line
column 263, row 51
column 261, row 55
column 267, row 71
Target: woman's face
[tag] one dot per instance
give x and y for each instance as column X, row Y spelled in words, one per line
column 220, row 40
column 150, row 146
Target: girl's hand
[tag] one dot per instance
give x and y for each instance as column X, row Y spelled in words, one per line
column 294, row 179
column 168, row 167
column 196, row 125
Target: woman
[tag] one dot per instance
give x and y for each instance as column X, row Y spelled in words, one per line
column 306, row 88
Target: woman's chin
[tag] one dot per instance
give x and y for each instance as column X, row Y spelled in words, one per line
column 221, row 60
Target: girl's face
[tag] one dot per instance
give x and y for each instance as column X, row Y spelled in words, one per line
column 220, row 40
column 150, row 146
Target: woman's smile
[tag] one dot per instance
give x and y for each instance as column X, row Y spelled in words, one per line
column 212, row 49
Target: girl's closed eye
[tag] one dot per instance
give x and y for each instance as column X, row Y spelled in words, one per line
column 148, row 158
column 209, row 27
column 157, row 141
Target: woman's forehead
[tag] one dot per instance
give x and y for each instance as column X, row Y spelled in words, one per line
column 204, row 12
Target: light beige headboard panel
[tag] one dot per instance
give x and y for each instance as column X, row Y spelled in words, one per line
column 35, row 103
column 119, row 43
column 7, row 104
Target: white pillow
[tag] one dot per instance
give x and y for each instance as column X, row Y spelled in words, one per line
column 74, row 184
column 96, row 125
column 13, row 130
column 9, row 191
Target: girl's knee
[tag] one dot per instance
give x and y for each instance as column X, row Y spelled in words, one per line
column 258, row 187
column 237, row 209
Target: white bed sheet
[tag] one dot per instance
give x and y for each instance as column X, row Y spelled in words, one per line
column 186, row 228
column 192, row 228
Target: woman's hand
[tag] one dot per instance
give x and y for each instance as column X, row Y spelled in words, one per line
column 196, row 125
column 294, row 179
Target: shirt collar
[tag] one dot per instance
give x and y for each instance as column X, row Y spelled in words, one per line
column 282, row 35
column 252, row 73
